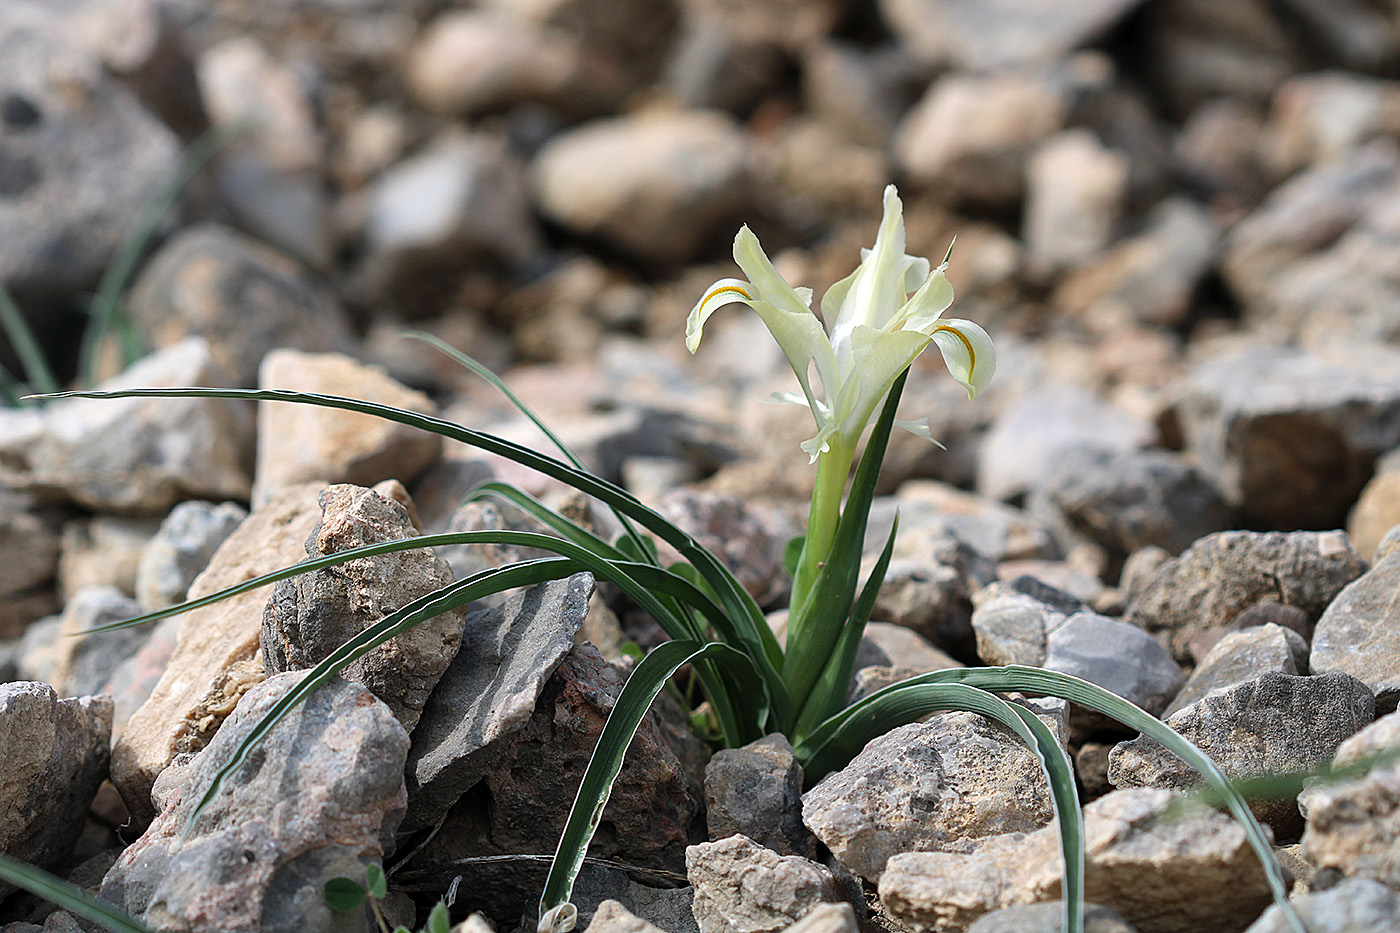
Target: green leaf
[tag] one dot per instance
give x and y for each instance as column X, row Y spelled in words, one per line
column 644, row 683
column 70, row 897
column 792, row 553
column 343, row 894
column 376, row 882
column 439, row 920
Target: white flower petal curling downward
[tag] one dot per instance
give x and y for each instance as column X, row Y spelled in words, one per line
column 875, row 328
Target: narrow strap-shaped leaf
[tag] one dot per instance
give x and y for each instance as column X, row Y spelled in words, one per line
column 25, row 345
column 526, row 573
column 557, row 915
column 829, row 694
column 70, row 897
column 546, row 516
column 735, row 600
column 1091, row 696
column 908, row 701
column 815, row 625
column 485, row 373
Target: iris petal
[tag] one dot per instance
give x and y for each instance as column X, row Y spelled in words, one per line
column 968, row 352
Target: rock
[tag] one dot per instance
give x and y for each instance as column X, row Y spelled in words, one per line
column 852, row 89
column 1000, row 118
column 489, row 690
column 1224, row 574
column 1304, row 214
column 81, row 158
column 463, row 196
column 531, row 779
column 905, row 648
column 748, row 538
column 1154, row 275
column 28, row 544
column 1242, row 656
column 1033, row 431
column 104, row 550
column 216, row 659
column 471, row 61
column 1115, row 655
column 612, row 917
column 311, row 615
column 1377, row 509
column 1290, row 436
column 301, row 443
column 181, row 548
column 1126, row 500
column 1012, row 626
column 929, row 786
column 827, row 918
column 741, row 887
column 117, row 455
column 135, row 678
column 1273, row 724
column 626, row 180
column 320, row 798
column 1047, row 917
column 56, row 754
column 83, row 666
column 932, row 513
column 270, row 175
column 1355, row 633
column 719, row 65
column 207, row 275
column 1320, row 117
column 998, row 36
column 1163, row 870
column 756, row 791
column 1075, row 192
column 1356, row 905
column 1353, row 826
column 932, row 594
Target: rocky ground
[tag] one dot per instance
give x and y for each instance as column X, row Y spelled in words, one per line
column 1180, row 221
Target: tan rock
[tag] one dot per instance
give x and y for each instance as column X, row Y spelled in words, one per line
column 1375, row 513
column 305, row 443
column 217, row 658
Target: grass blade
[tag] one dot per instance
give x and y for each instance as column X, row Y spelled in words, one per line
column 557, row 915
column 70, row 897
column 25, row 344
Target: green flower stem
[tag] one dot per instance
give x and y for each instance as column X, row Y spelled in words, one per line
column 833, row 466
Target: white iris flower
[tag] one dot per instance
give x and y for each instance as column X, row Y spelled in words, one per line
column 874, row 329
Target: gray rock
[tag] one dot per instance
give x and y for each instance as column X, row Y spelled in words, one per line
column 1304, row 214
column 1047, row 917
column 929, row 786
column 1039, row 427
column 207, row 276
column 741, row 887
column 1126, row 500
column 56, row 754
column 1356, row 905
column 489, row 690
column 999, row 36
column 1353, row 826
column 887, row 643
column 827, row 918
column 1241, row 656
column 181, row 549
column 756, row 791
column 931, row 594
column 529, row 785
column 82, row 666
column 718, row 64
column 1289, row 436
column 748, row 538
column 1268, row 612
column 931, row 513
column 28, row 544
column 464, row 196
column 1163, row 867
column 81, row 157
column 1273, row 724
column 319, row 799
column 1075, row 193
column 310, row 615
column 1001, row 118
column 1012, row 626
column 1357, row 632
column 625, row 181
column 135, row 678
column 1115, row 655
column 117, row 455
column 1224, row 574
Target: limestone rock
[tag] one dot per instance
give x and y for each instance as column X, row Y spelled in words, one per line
column 301, row 443
column 1115, row 655
column 181, row 549
column 320, row 797
column 216, row 659
column 1356, row 905
column 1242, row 656
column 1270, row 725
column 56, row 754
column 1224, row 574
column 489, row 690
column 1046, row 917
column 756, row 791
column 82, row 666
column 1357, row 632
column 741, row 887
column 104, row 550
column 28, row 544
column 1162, row 870
column 1075, row 196
column 747, row 537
